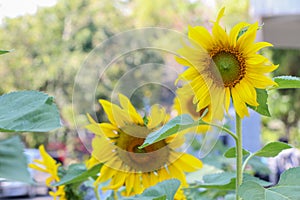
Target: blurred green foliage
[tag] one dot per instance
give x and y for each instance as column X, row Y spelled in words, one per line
column 284, row 103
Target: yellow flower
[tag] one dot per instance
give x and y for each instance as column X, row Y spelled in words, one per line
column 183, row 104
column 49, row 166
column 224, row 66
column 116, row 145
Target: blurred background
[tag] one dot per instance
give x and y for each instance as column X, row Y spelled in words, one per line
column 51, row 39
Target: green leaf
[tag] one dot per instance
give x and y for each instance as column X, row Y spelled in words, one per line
column 286, row 82
column 162, row 191
column 259, row 166
column 231, row 153
column 287, row 188
column 28, row 111
column 197, row 176
column 226, row 181
column 272, row 149
column 245, row 29
column 175, row 125
column 78, row 173
column 13, row 163
column 3, row 52
column 230, row 197
column 262, row 99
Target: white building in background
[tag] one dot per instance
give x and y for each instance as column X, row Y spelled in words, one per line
column 281, row 20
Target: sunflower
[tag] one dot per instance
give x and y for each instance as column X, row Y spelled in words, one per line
column 225, row 66
column 183, row 104
column 49, row 166
column 116, row 145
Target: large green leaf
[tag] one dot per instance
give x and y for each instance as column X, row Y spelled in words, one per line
column 272, row 149
column 175, row 125
column 28, row 111
column 13, row 163
column 226, row 181
column 288, row 188
column 78, row 173
column 262, row 99
column 286, row 82
column 162, row 191
column 231, row 152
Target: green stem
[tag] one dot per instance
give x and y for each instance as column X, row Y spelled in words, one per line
column 239, row 154
column 223, row 129
column 97, row 192
column 246, row 161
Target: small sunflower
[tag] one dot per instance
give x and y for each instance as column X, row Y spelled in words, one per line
column 224, row 66
column 49, row 166
column 116, row 145
column 183, row 104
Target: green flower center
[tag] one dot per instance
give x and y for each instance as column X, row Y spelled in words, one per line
column 147, row 159
column 229, row 64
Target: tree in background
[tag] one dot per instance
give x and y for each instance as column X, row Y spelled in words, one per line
column 50, row 47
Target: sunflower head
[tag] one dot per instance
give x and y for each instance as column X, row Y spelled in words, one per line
column 224, row 66
column 116, row 145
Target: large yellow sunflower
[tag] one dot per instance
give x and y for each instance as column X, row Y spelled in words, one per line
column 224, row 66
column 49, row 166
column 183, row 104
column 116, row 145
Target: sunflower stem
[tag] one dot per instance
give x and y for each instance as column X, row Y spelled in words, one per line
column 239, row 154
column 97, row 192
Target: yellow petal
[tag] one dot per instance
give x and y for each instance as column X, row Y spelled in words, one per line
column 153, row 178
column 220, row 36
column 220, row 14
column 256, row 47
column 117, row 181
column 108, row 110
column 263, row 69
column 247, row 39
column 239, row 105
column 103, row 150
column 255, row 59
column 146, row 180
column 246, row 92
column 115, row 114
column 227, row 99
column 130, row 110
column 137, row 184
column 217, row 102
column 33, row 166
column 235, row 31
column 183, row 61
column 156, row 117
column 188, row 163
column 201, row 36
column 175, row 142
column 163, row 175
column 106, row 173
column 177, row 173
column 260, row 81
column 129, row 182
